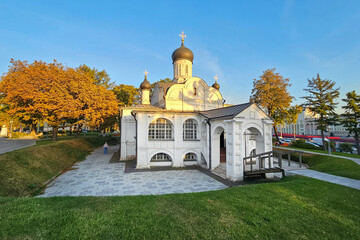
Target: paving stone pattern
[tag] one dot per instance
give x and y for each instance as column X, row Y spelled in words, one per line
column 95, row 176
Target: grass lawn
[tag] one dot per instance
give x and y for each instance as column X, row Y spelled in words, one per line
column 294, row 208
column 326, row 152
column 25, row 170
column 329, row 164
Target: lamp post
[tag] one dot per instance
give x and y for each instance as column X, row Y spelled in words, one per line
column 329, row 148
column 11, row 122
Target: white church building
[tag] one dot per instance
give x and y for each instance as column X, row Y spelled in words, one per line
column 185, row 123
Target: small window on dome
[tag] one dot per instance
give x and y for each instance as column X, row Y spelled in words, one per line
column 194, row 90
column 187, row 70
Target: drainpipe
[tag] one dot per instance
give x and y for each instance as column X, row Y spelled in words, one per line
column 208, row 122
column 136, row 135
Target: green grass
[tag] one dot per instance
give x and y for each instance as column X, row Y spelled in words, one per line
column 326, row 152
column 294, row 208
column 24, row 171
column 328, row 164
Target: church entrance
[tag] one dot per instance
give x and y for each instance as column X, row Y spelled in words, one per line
column 218, row 146
column 222, row 147
column 253, row 145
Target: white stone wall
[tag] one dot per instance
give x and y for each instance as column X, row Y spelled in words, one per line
column 182, row 70
column 175, row 148
column 193, row 95
column 128, row 135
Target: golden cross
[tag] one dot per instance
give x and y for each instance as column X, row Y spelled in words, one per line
column 183, row 36
column 216, row 77
column 146, row 72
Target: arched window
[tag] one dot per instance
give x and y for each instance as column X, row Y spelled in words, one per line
column 161, row 157
column 160, row 129
column 190, row 130
column 253, row 152
column 190, row 157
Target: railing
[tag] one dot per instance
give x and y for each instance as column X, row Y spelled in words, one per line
column 263, row 161
column 268, row 161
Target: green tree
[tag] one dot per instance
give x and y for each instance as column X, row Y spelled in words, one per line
column 351, row 117
column 321, row 100
column 126, row 95
column 292, row 116
column 270, row 91
column 101, row 78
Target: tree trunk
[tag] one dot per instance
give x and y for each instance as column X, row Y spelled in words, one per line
column 294, row 131
column 71, row 130
column 323, row 140
column 357, row 144
column 54, row 133
column 276, row 133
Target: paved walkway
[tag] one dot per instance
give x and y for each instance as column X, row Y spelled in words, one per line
column 95, row 176
column 356, row 160
column 327, row 178
column 8, row 145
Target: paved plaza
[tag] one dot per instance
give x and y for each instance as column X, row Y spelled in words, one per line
column 95, row 176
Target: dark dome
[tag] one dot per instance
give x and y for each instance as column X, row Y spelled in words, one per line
column 145, row 84
column 216, row 86
column 183, row 53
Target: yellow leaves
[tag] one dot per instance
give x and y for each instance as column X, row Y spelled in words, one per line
column 54, row 93
column 270, row 91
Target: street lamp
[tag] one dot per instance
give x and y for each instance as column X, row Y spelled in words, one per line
column 11, row 122
column 329, row 148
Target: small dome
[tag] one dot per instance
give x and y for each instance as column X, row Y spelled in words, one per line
column 183, row 53
column 216, row 86
column 145, row 84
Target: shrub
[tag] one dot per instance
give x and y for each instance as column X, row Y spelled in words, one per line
column 302, row 144
column 346, row 147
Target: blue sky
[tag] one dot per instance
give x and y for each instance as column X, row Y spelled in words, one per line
column 237, row 40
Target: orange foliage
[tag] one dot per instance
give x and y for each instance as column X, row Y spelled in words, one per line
column 54, row 93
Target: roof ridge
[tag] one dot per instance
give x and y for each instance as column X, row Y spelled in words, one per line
column 237, row 105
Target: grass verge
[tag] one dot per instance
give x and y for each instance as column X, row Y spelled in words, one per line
column 328, row 164
column 294, row 208
column 25, row 170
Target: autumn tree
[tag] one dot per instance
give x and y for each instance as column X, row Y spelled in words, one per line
column 292, row 115
column 351, row 117
column 101, row 78
column 270, row 91
column 321, row 101
column 126, row 95
column 53, row 93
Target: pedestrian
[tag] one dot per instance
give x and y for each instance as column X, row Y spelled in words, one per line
column 106, row 146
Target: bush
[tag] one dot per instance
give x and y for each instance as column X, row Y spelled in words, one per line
column 346, row 147
column 302, row 144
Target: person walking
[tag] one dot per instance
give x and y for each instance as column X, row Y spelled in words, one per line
column 106, row 146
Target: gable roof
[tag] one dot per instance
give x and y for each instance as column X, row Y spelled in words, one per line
column 225, row 112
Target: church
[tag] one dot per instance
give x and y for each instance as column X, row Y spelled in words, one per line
column 185, row 122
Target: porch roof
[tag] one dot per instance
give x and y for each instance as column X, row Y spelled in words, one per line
column 225, row 112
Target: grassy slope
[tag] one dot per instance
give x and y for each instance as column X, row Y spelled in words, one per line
column 332, row 165
column 294, row 208
column 24, row 170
